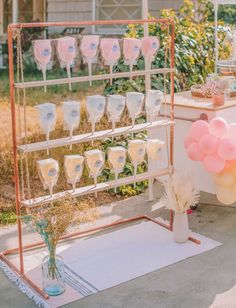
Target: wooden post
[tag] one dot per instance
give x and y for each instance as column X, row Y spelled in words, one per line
column 1, row 17
column 145, row 15
column 216, row 5
column 38, row 10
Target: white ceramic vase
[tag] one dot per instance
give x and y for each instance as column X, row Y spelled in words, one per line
column 181, row 227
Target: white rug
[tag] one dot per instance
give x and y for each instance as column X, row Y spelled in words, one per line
column 108, row 258
column 118, row 255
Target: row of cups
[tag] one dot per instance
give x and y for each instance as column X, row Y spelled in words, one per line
column 96, row 106
column 95, row 159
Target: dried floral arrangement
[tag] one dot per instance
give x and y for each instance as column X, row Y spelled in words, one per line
column 53, row 221
column 179, row 194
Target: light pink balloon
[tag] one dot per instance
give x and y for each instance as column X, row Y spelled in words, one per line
column 213, row 163
column 199, row 129
column 66, row 48
column 89, row 46
column 187, row 141
column 42, row 51
column 218, row 127
column 149, row 46
column 227, row 149
column 110, row 49
column 208, row 144
column 194, row 152
column 131, row 49
column 231, row 133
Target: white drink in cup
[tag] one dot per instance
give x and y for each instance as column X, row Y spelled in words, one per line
column 48, row 172
column 136, row 151
column 117, row 159
column 73, row 165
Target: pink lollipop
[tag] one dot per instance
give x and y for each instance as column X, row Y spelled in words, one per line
column 110, row 49
column 89, row 48
column 131, row 51
column 149, row 47
column 66, row 50
column 43, row 55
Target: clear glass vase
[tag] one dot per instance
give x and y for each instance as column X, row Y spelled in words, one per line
column 53, row 275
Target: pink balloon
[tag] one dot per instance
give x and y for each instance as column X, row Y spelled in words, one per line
column 187, row 141
column 208, row 144
column 194, row 152
column 218, row 127
column 213, row 163
column 231, row 133
column 199, row 129
column 227, row 149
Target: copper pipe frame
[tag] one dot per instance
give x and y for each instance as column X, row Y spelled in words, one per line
column 20, row 249
column 3, row 255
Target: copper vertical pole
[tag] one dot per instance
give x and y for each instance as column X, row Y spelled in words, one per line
column 172, row 65
column 14, row 140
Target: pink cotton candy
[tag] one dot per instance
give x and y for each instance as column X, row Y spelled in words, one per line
column 110, row 49
column 208, row 144
column 218, row 127
column 66, row 48
column 42, row 51
column 213, row 163
column 199, row 129
column 131, row 49
column 194, row 152
column 89, row 46
column 149, row 46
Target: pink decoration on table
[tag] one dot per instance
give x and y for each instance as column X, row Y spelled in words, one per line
column 231, row 133
column 208, row 144
column 131, row 50
column 66, row 50
column 227, row 149
column 43, row 55
column 89, row 49
column 110, row 49
column 213, row 163
column 218, row 127
column 194, row 152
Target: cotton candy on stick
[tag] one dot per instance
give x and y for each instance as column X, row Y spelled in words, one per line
column 95, row 161
column 73, row 168
column 131, row 50
column 95, row 106
column 110, row 49
column 71, row 114
column 117, row 159
column 89, row 48
column 149, row 48
column 115, row 107
column 153, row 103
column 47, row 118
column 48, row 172
column 136, row 151
column 66, row 50
column 43, row 54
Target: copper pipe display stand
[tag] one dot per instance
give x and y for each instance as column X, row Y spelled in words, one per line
column 20, row 249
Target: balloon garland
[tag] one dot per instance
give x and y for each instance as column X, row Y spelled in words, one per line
column 214, row 145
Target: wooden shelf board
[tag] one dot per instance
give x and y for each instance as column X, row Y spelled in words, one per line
column 43, row 145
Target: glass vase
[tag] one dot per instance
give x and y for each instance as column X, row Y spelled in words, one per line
column 53, row 275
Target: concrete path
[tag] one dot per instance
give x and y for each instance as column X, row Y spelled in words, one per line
column 193, row 283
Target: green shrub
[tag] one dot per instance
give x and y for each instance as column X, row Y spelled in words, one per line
column 194, row 49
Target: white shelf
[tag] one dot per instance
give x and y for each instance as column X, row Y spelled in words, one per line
column 92, row 188
column 43, row 145
column 40, row 83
